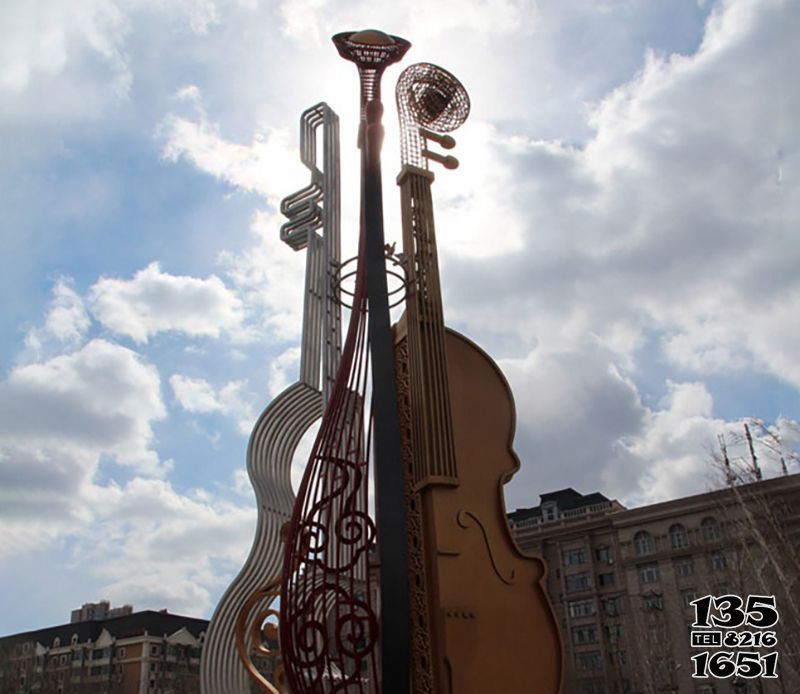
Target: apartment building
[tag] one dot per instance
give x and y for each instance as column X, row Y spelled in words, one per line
column 97, row 611
column 143, row 652
column 622, row 582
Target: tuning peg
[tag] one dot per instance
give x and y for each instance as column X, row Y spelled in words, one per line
column 449, row 162
column 445, row 141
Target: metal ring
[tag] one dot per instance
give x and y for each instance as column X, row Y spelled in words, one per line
column 396, row 270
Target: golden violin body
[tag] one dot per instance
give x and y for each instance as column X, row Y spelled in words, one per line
column 491, row 624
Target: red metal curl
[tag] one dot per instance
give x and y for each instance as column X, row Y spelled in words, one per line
column 328, row 624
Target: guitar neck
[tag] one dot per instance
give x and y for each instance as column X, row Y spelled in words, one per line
column 434, row 459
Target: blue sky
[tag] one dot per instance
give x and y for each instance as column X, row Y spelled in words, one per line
column 621, row 237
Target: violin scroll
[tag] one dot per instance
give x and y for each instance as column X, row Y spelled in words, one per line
column 431, row 101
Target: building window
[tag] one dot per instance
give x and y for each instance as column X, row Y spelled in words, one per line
column 77, row 654
column 687, row 596
column 62, row 660
column 606, row 579
column 643, row 543
column 678, row 537
column 575, row 556
column 621, row 658
column 657, row 633
column 711, row 529
column 581, row 581
column 613, row 632
column 95, row 671
column 154, row 650
column 585, row 634
column 718, row 562
column 611, row 607
column 648, row 573
column 684, row 566
column 56, row 642
column 603, row 554
column 97, row 653
column 653, row 601
column 589, row 660
column 121, row 652
column 74, row 639
column 550, row 511
column 581, row 608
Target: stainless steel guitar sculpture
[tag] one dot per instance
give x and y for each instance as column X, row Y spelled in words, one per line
column 242, row 627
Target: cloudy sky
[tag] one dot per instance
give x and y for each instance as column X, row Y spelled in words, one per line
column 621, row 236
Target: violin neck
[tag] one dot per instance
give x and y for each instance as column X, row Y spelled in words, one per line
column 434, row 459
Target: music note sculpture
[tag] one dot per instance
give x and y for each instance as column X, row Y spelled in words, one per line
column 429, row 594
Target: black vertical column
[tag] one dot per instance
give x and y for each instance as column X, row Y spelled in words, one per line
column 390, row 507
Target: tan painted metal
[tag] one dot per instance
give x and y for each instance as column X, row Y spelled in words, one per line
column 480, row 618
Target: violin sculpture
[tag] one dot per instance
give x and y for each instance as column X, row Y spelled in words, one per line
column 480, row 619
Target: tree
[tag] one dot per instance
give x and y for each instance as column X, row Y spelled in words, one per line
column 762, row 520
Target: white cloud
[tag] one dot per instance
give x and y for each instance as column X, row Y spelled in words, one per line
column 283, row 370
column 155, row 301
column 300, row 18
column 420, row 19
column 268, row 165
column 101, row 399
column 46, row 39
column 67, row 321
column 64, row 419
column 39, row 39
column 168, row 547
column 669, row 222
column 270, row 278
column 581, row 424
column 573, row 409
column 473, row 198
column 59, row 420
column 197, row 395
column 194, row 394
column 202, row 14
